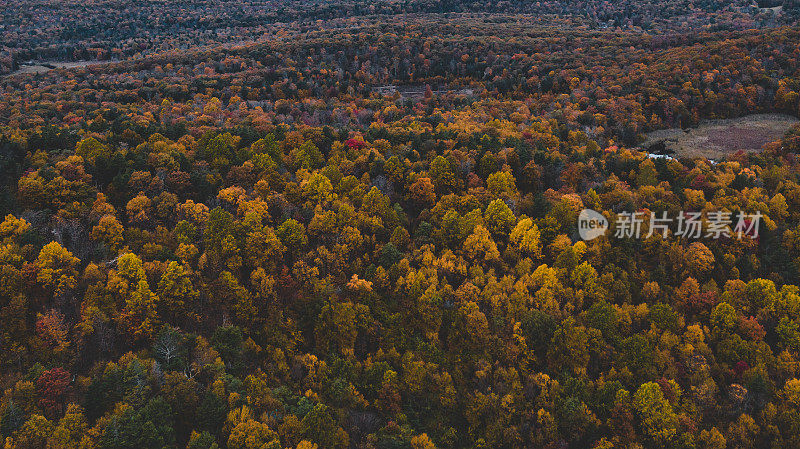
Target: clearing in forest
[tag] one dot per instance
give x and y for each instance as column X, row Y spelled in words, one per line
column 716, row 138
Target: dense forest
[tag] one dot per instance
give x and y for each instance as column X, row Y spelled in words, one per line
column 122, row 29
column 354, row 225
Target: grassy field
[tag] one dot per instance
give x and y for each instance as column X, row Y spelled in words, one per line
column 46, row 66
column 716, row 138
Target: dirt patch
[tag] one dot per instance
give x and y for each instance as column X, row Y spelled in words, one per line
column 46, row 66
column 716, row 138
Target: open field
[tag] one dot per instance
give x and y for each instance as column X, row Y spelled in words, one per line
column 46, row 66
column 716, row 138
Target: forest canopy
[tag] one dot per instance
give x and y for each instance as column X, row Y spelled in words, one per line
column 355, row 225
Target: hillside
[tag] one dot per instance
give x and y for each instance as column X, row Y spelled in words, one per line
column 263, row 225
